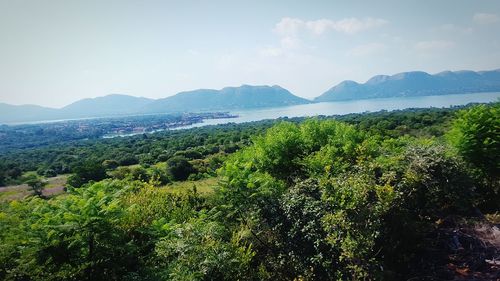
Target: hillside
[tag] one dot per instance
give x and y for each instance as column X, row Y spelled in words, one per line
column 415, row 83
column 109, row 105
column 105, row 106
column 228, row 98
column 22, row 113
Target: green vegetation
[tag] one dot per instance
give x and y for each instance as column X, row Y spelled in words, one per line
column 35, row 182
column 313, row 199
column 476, row 135
column 49, row 156
column 87, row 159
column 7, row 193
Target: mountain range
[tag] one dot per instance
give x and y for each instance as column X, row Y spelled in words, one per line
column 229, row 98
column 415, row 83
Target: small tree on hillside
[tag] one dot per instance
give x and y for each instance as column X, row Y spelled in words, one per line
column 36, row 183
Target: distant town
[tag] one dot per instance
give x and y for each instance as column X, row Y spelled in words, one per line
column 40, row 134
column 155, row 123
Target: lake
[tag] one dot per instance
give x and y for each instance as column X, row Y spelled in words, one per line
column 354, row 106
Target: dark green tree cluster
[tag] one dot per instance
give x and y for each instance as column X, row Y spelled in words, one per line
column 63, row 158
column 86, row 172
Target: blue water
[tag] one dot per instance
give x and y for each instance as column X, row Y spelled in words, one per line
column 355, row 106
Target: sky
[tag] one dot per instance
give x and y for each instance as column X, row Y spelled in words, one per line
column 55, row 52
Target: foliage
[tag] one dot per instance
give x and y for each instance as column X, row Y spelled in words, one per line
column 299, row 246
column 366, row 188
column 110, row 164
column 35, row 182
column 306, row 200
column 355, row 220
column 69, row 237
column 476, row 135
column 86, row 172
column 179, row 168
column 57, row 150
column 435, row 183
column 200, row 249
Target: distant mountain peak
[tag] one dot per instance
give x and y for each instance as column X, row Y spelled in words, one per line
column 415, row 83
column 409, row 75
column 109, row 105
column 228, row 98
column 116, row 96
column 378, row 79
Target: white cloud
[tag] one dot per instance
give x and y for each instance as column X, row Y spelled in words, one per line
column 288, row 26
column 318, row 27
column 434, row 45
column 291, row 29
column 449, row 27
column 366, row 49
column 484, row 18
column 292, row 26
column 354, row 25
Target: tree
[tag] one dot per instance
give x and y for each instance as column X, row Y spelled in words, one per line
column 88, row 171
column 110, row 164
column 139, row 173
column 179, row 167
column 37, row 184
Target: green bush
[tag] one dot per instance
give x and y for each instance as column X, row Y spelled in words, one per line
column 179, row 168
column 200, row 249
column 476, row 135
column 86, row 172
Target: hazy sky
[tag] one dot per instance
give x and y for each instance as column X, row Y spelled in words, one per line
column 55, row 52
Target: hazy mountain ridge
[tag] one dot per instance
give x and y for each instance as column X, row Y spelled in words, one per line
column 228, row 98
column 108, row 105
column 19, row 113
column 415, row 83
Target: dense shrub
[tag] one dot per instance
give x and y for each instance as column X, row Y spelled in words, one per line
column 86, row 172
column 476, row 135
column 179, row 168
column 201, row 249
column 71, row 237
